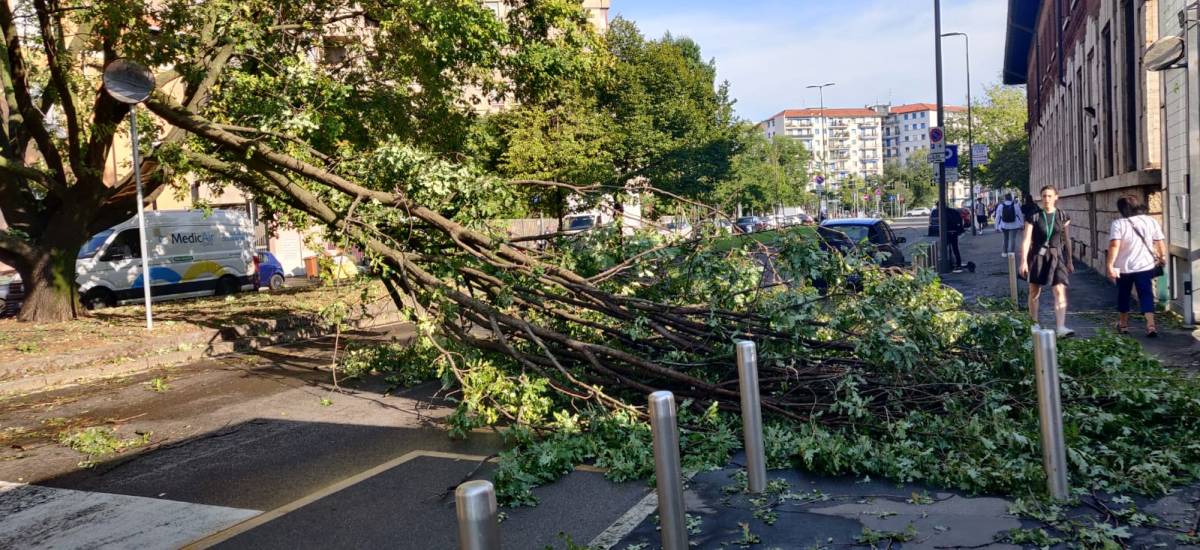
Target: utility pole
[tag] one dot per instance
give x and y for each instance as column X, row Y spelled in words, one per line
column 943, row 244
column 824, row 140
column 970, row 132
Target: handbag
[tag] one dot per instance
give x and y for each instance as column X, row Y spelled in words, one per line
column 1159, row 261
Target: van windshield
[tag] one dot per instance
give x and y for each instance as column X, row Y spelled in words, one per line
column 94, row 244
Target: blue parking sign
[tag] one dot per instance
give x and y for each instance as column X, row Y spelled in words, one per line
column 951, row 156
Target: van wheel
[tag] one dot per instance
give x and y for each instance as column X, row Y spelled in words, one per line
column 276, row 282
column 227, row 285
column 97, row 298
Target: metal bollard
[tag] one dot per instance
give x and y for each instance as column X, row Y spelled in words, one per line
column 478, row 525
column 667, row 471
column 1012, row 279
column 1054, row 452
column 752, row 429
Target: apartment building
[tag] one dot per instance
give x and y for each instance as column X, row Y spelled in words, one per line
column 906, row 127
column 843, row 142
column 1096, row 115
column 597, row 11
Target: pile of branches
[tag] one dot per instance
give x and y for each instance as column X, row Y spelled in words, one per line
column 490, row 294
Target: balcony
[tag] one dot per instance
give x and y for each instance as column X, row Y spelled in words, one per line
column 837, row 123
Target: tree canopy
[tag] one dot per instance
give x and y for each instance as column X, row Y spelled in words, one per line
column 999, row 122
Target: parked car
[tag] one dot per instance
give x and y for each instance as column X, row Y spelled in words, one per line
column 578, row 224
column 917, row 212
column 750, row 224
column 12, row 293
column 680, row 228
column 934, row 220
column 805, row 219
column 872, row 232
column 270, row 271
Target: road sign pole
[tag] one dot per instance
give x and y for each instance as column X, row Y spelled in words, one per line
column 137, row 178
column 943, row 206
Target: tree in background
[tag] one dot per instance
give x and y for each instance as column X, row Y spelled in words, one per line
column 999, row 123
column 649, row 110
column 912, row 180
column 766, row 173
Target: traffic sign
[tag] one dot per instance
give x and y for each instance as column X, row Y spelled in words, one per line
column 979, row 154
column 878, row 192
column 937, row 140
column 820, row 180
column 951, row 174
column 935, row 158
column 951, row 160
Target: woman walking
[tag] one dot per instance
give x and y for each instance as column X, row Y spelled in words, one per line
column 1046, row 258
column 1136, row 255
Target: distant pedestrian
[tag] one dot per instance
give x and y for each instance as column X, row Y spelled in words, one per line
column 954, row 228
column 1136, row 256
column 1046, row 258
column 1029, row 207
column 1011, row 221
column 981, row 213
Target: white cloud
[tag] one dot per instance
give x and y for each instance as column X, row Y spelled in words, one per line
column 875, row 50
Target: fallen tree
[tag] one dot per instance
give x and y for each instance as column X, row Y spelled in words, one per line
column 872, row 371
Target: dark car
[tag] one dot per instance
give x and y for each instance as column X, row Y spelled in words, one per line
column 270, row 271
column 873, row 231
column 963, row 213
column 750, row 224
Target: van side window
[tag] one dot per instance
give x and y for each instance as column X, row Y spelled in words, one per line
column 128, row 237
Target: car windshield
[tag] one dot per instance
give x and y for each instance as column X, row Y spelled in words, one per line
column 579, row 223
column 89, row 249
column 855, row 232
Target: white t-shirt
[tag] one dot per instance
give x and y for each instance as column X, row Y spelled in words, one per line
column 1135, row 254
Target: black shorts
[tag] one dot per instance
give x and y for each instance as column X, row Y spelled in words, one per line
column 1049, row 269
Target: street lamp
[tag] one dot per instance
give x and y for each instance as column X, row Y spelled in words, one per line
column 825, row 138
column 970, row 133
column 131, row 83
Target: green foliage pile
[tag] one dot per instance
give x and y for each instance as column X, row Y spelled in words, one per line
column 930, row 391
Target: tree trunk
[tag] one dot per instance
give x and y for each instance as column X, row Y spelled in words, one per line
column 50, row 294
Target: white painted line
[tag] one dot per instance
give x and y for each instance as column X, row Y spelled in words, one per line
column 45, row 517
column 626, row 523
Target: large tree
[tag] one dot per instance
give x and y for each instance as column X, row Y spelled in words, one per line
column 333, row 76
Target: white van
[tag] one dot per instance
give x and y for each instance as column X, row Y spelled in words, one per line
column 192, row 253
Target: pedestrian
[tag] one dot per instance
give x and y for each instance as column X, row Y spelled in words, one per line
column 1011, row 221
column 981, row 213
column 1029, row 207
column 1046, row 258
column 954, row 228
column 1136, row 256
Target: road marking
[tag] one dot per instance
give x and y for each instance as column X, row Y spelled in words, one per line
column 226, row 534
column 49, row 517
column 626, row 523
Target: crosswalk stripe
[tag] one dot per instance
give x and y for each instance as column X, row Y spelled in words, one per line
column 46, row 517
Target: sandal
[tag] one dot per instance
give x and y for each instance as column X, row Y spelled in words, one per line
column 1122, row 329
column 1151, row 332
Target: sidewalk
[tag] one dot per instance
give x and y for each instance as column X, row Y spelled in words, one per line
column 1091, row 301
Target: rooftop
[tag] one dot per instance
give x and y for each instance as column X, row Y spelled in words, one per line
column 1022, row 17
column 828, row 112
column 918, row 107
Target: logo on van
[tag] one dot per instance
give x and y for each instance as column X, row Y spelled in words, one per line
column 192, row 238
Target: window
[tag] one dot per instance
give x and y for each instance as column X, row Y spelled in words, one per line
column 128, row 238
column 1132, row 50
column 923, row 115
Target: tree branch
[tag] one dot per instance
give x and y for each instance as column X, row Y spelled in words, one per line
column 32, row 118
column 51, row 44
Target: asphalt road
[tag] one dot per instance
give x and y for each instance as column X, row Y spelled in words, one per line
column 233, row 439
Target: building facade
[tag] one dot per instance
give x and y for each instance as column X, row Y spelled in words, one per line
column 1094, row 116
column 843, row 142
column 906, row 128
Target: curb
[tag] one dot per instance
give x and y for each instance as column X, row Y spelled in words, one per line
column 74, row 368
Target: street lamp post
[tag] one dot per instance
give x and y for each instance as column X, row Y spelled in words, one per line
column 970, row 131
column 825, row 138
column 943, row 243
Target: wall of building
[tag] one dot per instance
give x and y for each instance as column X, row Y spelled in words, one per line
column 1094, row 127
column 852, row 138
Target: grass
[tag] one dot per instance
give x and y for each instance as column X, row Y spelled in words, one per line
column 99, row 442
column 125, row 325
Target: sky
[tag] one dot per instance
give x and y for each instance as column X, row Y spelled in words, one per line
column 875, row 51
